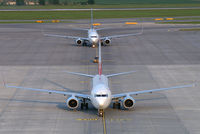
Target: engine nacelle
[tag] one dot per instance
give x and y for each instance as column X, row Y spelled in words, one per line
column 72, row 102
column 128, row 102
column 107, row 41
column 79, row 41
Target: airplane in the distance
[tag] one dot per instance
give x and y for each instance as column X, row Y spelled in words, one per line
column 100, row 95
column 93, row 37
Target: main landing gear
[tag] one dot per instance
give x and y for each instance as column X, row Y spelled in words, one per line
column 100, row 112
column 84, row 104
column 117, row 105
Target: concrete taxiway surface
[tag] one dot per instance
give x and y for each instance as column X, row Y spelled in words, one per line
column 163, row 56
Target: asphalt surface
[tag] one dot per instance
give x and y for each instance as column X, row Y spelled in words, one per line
column 163, row 56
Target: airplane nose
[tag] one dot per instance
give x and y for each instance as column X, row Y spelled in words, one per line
column 95, row 40
column 101, row 103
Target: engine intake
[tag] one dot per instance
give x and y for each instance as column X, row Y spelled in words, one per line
column 79, row 42
column 107, row 41
column 128, row 102
column 72, row 102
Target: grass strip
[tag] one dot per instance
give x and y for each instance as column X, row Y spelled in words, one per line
column 124, row 5
column 48, row 15
column 46, row 21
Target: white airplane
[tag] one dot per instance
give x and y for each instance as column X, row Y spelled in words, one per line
column 93, row 37
column 100, row 96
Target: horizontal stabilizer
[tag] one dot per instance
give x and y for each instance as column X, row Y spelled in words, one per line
column 80, row 74
column 122, row 73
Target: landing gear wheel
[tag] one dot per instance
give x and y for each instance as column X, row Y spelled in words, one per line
column 118, row 106
column 100, row 112
column 81, row 106
column 114, row 105
column 86, row 105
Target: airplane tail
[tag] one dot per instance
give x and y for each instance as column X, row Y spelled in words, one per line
column 91, row 19
column 100, row 63
column 100, row 69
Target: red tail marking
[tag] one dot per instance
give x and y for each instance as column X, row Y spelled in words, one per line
column 100, row 68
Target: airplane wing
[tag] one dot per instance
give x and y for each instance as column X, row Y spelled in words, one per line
column 115, row 96
column 52, row 91
column 63, row 36
column 118, row 36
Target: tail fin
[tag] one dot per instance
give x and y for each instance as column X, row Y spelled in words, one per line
column 92, row 19
column 100, row 62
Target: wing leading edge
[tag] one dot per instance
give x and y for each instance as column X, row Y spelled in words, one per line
column 52, row 91
column 63, row 36
column 149, row 91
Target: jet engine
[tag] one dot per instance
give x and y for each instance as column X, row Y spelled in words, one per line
column 72, row 102
column 128, row 102
column 79, row 41
column 107, row 41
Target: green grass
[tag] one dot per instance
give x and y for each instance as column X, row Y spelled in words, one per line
column 188, row 18
column 191, row 22
column 31, row 21
column 46, row 15
column 145, row 1
column 112, row 5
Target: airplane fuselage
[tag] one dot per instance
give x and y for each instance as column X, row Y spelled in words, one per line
column 93, row 36
column 100, row 94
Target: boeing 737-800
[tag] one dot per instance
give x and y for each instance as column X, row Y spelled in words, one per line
column 93, row 37
column 100, row 96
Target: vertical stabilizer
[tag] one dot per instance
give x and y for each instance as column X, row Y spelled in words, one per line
column 91, row 18
column 100, row 62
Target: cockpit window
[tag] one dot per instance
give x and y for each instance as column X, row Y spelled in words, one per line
column 101, row 95
column 104, row 95
column 93, row 36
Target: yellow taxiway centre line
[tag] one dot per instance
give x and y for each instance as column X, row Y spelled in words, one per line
column 84, row 81
column 87, row 119
column 104, row 123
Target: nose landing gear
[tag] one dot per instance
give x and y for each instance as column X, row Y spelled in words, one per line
column 100, row 112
